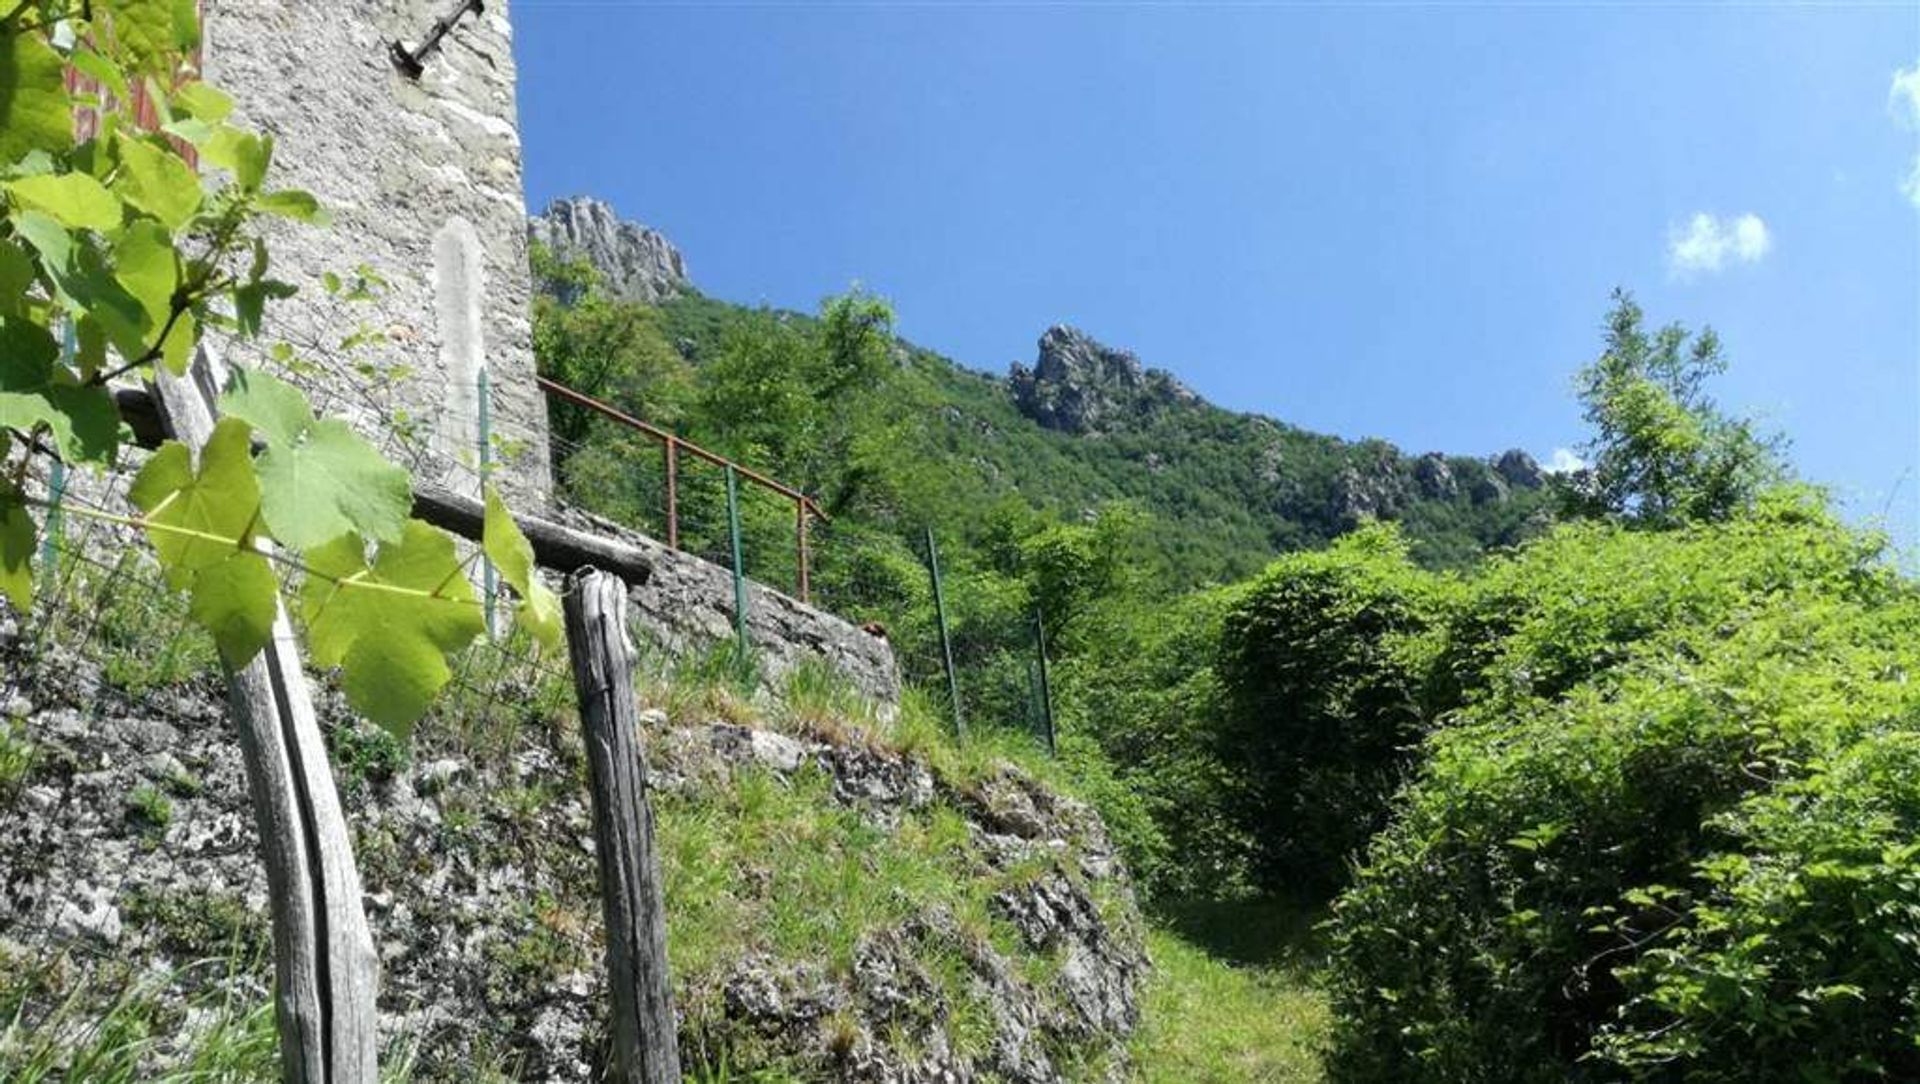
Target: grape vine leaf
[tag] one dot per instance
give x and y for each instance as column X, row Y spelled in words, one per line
column 33, row 98
column 72, row 199
column 390, row 626
column 232, row 590
column 242, row 154
column 294, row 204
column 147, row 31
column 203, row 102
column 83, row 420
column 220, row 503
column 236, row 600
column 16, row 274
column 510, row 552
column 16, row 549
column 158, row 182
column 320, row 479
column 148, row 268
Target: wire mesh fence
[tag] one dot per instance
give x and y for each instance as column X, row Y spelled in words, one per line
column 984, row 664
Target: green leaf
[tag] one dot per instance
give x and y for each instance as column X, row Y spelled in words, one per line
column 236, row 600
column 72, row 199
column 274, row 407
column 196, row 132
column 393, row 644
column 158, row 181
column 186, row 24
column 83, row 282
column 33, row 98
column 242, row 154
column 176, row 350
column 331, row 483
column 16, row 274
column 34, row 391
column 148, row 268
column 144, row 30
column 100, row 69
column 321, row 479
column 220, row 502
column 511, row 554
column 203, row 102
column 16, row 549
column 295, row 204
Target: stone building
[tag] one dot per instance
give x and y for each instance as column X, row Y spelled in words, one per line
column 422, row 177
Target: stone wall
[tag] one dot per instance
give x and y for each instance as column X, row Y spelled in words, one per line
column 423, row 181
column 686, row 611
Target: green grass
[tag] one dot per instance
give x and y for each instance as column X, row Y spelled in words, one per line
column 1206, row 1021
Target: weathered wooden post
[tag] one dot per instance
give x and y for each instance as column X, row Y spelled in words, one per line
column 645, row 1038
column 325, row 972
column 946, row 642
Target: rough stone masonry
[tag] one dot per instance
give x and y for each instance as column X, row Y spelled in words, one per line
column 423, row 181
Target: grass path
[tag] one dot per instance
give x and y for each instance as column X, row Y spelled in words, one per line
column 1232, row 998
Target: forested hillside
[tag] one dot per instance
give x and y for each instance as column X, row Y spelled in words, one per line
column 1601, row 776
column 901, row 437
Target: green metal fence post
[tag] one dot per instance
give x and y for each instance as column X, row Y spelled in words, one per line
column 946, row 642
column 486, row 469
column 739, row 569
column 1046, row 688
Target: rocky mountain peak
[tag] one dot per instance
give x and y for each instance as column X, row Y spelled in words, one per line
column 637, row 263
column 1079, row 385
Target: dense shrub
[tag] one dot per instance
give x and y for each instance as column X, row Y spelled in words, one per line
column 1667, row 835
column 1146, row 691
column 1322, row 662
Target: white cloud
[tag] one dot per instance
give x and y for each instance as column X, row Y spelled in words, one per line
column 1904, row 101
column 1904, row 98
column 1706, row 243
column 1564, row 461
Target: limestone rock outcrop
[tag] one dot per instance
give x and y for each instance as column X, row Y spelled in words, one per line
column 635, row 262
column 1078, row 385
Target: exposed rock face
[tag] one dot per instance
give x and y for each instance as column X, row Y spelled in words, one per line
column 635, row 262
column 1519, row 469
column 1078, row 385
column 1372, row 486
column 1434, row 476
column 477, row 861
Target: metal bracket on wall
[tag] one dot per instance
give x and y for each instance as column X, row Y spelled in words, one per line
column 412, row 62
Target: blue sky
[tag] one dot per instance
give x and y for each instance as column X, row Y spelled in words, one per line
column 1374, row 221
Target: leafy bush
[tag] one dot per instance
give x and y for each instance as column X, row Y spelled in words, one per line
column 1322, row 663
column 1667, row 835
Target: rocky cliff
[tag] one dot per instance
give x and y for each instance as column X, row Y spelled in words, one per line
column 1078, row 385
column 635, row 263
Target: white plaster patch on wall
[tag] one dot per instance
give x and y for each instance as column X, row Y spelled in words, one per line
column 493, row 126
column 459, row 284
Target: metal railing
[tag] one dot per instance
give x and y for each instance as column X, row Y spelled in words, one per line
column 673, row 445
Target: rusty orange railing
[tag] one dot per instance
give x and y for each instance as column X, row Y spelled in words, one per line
column 673, row 445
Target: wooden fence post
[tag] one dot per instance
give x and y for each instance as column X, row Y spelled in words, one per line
column 645, row 1037
column 324, row 968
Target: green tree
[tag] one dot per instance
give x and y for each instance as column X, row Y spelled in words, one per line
column 803, row 398
column 603, row 347
column 1663, row 452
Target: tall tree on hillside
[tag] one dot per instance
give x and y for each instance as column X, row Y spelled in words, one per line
column 1663, row 452
column 602, row 346
column 799, row 396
